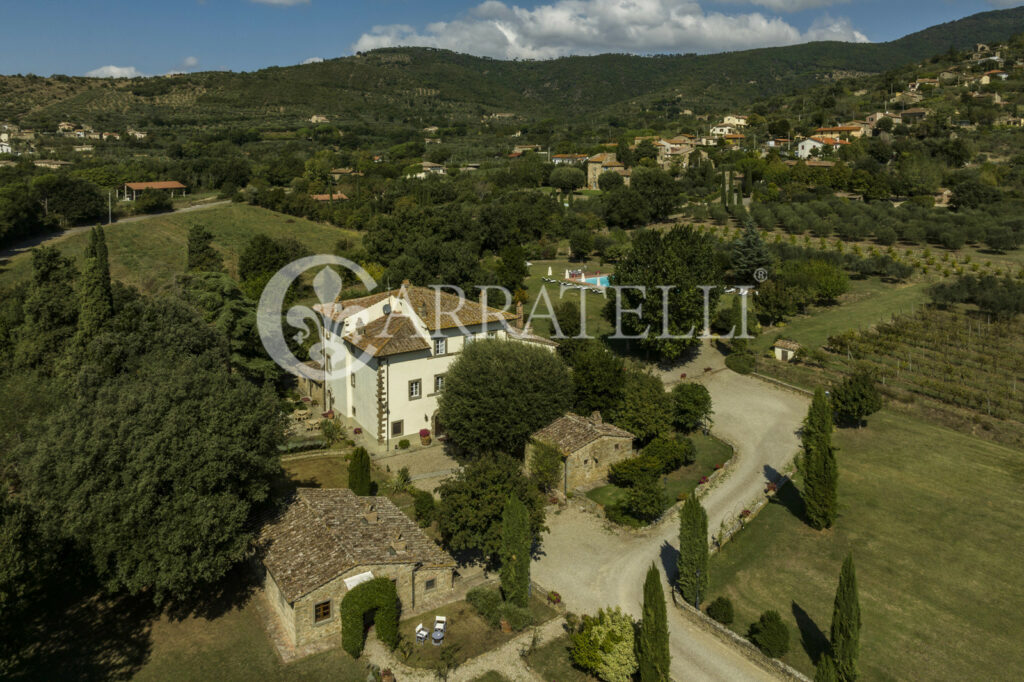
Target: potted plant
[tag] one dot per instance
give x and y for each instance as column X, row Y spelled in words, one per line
column 424, row 436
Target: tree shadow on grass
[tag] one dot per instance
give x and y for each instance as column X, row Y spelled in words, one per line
column 76, row 632
column 789, row 497
column 814, row 641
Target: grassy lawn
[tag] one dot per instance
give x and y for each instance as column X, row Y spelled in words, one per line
column 710, row 453
column 149, row 253
column 233, row 646
column 935, row 520
column 868, row 302
column 596, row 324
column 552, row 662
column 331, row 471
column 468, row 633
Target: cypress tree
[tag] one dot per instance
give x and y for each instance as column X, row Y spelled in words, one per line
column 201, row 255
column 97, row 300
column 652, row 643
column 516, row 542
column 845, row 635
column 826, row 670
column 818, row 464
column 693, row 552
column 359, row 472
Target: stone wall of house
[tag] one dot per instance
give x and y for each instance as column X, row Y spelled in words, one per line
column 409, row 582
column 589, row 465
column 279, row 606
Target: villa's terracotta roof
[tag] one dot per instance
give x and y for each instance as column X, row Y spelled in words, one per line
column 161, row 184
column 324, row 533
column 388, row 335
column 571, row 432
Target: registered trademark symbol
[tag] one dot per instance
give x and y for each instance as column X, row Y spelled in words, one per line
column 760, row 274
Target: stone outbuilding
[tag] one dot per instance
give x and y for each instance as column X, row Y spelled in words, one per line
column 588, row 446
column 327, row 541
column 785, row 350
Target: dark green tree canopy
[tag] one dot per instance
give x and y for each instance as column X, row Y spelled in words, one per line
column 498, row 393
column 652, row 641
column 201, row 254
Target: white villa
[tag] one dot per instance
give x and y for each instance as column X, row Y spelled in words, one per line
column 388, row 352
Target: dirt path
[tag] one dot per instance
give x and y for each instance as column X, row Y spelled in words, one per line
column 593, row 566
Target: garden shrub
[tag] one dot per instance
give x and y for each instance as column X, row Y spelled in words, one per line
column 517, row 616
column 631, row 471
column 671, row 453
column 403, row 444
column 487, row 602
column 770, row 634
column 741, row 363
column 721, row 610
column 379, row 594
column 424, row 506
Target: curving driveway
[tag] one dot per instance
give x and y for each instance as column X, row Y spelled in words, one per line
column 593, row 566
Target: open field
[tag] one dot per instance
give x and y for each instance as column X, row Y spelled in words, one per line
column 711, row 452
column 234, row 646
column 596, row 324
column 149, row 253
column 868, row 302
column 935, row 521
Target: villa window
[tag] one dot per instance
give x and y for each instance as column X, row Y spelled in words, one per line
column 397, row 428
column 440, row 346
column 438, row 383
column 415, row 389
column 492, row 335
column 429, row 585
column 322, row 612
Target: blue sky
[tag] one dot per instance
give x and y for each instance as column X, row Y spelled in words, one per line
column 116, row 37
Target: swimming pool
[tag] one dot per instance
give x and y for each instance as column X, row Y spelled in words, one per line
column 601, row 281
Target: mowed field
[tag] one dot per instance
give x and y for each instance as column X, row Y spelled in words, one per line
column 149, row 253
column 596, row 324
column 935, row 521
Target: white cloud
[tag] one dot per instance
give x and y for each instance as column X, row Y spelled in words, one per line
column 282, row 3
column 190, row 62
column 313, row 60
column 112, row 71
column 790, row 5
column 564, row 27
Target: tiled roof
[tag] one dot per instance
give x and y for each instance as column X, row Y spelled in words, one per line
column 163, row 184
column 388, row 335
column 787, row 345
column 571, row 432
column 324, row 533
column 337, row 196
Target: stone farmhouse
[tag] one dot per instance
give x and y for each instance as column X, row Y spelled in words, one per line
column 588, row 446
column 386, row 355
column 599, row 163
column 327, row 541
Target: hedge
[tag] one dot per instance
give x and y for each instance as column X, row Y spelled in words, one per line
column 424, row 507
column 379, row 594
column 741, row 363
column 488, row 603
column 770, row 634
column 721, row 610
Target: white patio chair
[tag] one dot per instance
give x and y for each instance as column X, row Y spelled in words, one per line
column 421, row 633
column 441, row 623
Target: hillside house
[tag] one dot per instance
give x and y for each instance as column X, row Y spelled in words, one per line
column 723, row 129
column 339, row 173
column 843, row 131
column 995, row 74
column 429, row 168
column 386, row 355
column 785, row 350
column 873, row 119
column 133, row 189
column 570, row 159
column 137, row 134
column 5, row 148
column 817, row 143
column 600, row 163
column 738, row 121
column 317, row 118
column 329, row 540
column 336, row 196
column 914, row 114
column 588, row 446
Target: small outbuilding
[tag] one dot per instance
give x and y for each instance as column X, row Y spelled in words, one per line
column 588, row 446
column 785, row 350
column 329, row 540
column 133, row 189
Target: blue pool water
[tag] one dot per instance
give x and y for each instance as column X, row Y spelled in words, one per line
column 601, row 281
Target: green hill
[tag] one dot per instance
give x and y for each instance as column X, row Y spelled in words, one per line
column 392, row 85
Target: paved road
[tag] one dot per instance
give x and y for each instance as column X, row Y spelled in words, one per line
column 593, row 567
column 37, row 240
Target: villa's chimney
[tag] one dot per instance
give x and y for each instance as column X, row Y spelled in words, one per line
column 596, row 417
column 519, row 314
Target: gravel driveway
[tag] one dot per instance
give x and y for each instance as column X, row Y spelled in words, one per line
column 593, row 566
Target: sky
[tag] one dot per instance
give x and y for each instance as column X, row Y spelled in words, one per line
column 114, row 38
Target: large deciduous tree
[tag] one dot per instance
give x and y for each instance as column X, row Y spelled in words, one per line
column 670, row 266
column 691, row 406
column 692, row 564
column 604, row 645
column 644, row 410
column 472, row 502
column 498, row 393
column 856, row 399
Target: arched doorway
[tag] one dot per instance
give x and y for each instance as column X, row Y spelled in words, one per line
column 436, row 426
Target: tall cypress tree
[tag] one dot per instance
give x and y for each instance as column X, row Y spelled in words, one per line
column 97, row 300
column 818, row 464
column 201, row 254
column 359, row 472
column 693, row 551
column 652, row 643
column 826, row 670
column 845, row 635
column 516, row 542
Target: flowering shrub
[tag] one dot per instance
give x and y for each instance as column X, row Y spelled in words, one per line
column 745, row 513
column 554, row 597
column 703, row 480
column 424, row 433
column 717, row 467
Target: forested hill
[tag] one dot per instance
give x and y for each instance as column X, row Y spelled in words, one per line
column 399, row 83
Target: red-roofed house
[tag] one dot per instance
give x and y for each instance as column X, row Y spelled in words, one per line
column 132, row 189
